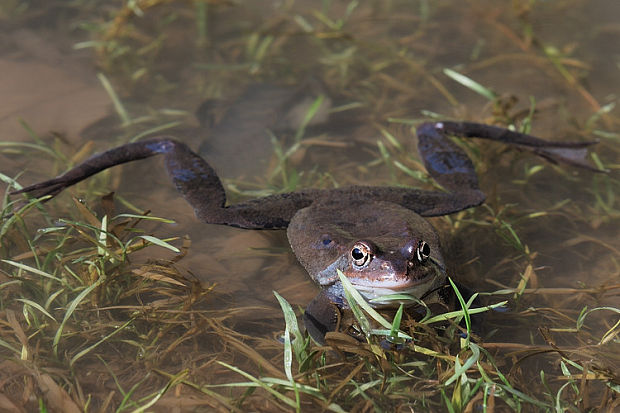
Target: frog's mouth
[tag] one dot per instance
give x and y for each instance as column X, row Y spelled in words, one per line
column 375, row 291
column 380, row 296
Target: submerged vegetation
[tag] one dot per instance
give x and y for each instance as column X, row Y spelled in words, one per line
column 99, row 312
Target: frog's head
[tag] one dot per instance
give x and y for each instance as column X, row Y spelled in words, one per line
column 404, row 265
column 382, row 248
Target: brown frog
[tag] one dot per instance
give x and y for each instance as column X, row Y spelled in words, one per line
column 376, row 236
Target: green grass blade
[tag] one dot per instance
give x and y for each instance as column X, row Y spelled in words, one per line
column 357, row 297
column 459, row 313
column 174, row 381
column 157, row 129
column 145, row 217
column 460, row 370
column 32, row 270
column 89, row 348
column 288, row 363
column 19, row 214
column 103, row 237
column 310, row 390
column 37, row 306
column 464, row 307
column 118, row 105
column 290, row 402
column 291, row 323
column 470, row 84
column 158, row 242
column 393, row 335
column 310, row 114
column 10, row 347
column 76, row 301
column 29, row 146
column 288, row 356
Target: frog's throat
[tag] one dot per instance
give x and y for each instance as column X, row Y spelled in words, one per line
column 374, row 294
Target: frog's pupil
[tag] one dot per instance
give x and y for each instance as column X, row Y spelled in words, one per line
column 423, row 252
column 327, row 241
column 426, row 250
column 357, row 254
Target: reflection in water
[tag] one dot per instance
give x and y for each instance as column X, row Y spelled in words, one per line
column 378, row 64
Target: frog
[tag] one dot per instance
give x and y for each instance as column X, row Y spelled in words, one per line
column 378, row 237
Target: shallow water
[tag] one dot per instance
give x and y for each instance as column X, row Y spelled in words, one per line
column 385, row 60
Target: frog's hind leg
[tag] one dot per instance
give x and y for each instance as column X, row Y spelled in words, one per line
column 450, row 166
column 91, row 166
column 193, row 177
column 571, row 153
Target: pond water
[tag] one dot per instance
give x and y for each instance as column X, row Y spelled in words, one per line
column 221, row 72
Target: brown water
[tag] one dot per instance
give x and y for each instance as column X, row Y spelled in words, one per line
column 387, row 60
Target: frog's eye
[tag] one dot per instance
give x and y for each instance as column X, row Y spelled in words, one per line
column 361, row 254
column 423, row 252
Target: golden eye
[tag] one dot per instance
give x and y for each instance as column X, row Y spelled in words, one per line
column 423, row 252
column 361, row 254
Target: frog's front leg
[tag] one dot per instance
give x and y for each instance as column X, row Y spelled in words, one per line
column 323, row 315
column 450, row 166
column 194, row 178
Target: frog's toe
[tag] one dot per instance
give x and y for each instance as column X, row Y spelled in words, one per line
column 321, row 316
column 50, row 187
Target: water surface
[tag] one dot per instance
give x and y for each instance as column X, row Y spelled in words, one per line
column 382, row 64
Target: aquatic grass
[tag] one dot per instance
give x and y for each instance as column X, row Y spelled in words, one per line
column 357, row 303
column 286, row 400
column 393, row 336
column 90, row 348
column 53, row 296
column 157, row 129
column 465, row 307
column 70, row 309
column 300, row 343
column 458, row 314
column 148, row 401
column 308, row 117
column 290, row 178
column 202, row 15
column 466, row 388
column 257, row 48
column 387, row 76
column 387, row 159
column 337, row 24
column 459, row 374
column 609, row 334
column 127, row 401
column 556, row 58
column 116, row 101
column 470, row 84
column 33, row 270
column 18, row 145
